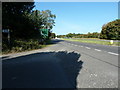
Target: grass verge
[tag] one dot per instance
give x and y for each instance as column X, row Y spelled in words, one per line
column 97, row 41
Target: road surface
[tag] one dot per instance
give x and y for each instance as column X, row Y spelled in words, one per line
column 65, row 64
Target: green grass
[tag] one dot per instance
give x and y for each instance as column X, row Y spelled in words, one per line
column 97, row 41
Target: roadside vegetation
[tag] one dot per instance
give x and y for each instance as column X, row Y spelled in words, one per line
column 24, row 45
column 94, row 41
column 110, row 31
column 28, row 29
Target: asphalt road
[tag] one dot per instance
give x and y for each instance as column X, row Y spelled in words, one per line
column 65, row 64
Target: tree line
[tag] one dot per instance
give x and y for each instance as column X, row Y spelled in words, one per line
column 109, row 31
column 73, row 35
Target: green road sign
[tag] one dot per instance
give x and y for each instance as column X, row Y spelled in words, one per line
column 44, row 32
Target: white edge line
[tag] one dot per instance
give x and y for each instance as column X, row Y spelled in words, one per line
column 97, row 50
column 113, row 53
column 87, row 47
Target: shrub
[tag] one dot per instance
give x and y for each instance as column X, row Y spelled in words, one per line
column 20, row 45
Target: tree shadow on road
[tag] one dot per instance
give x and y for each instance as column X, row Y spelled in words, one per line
column 5, row 57
column 55, row 41
column 42, row 70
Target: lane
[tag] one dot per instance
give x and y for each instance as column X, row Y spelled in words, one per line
column 100, row 69
column 109, row 58
column 101, row 55
column 106, row 48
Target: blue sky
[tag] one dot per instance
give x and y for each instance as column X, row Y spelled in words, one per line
column 80, row 17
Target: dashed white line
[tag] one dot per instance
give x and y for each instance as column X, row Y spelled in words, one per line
column 113, row 53
column 97, row 50
column 87, row 47
column 75, row 45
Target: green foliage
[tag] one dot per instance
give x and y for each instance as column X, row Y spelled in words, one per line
column 111, row 30
column 61, row 36
column 73, row 35
column 53, row 35
column 13, row 19
column 94, row 41
column 25, row 23
column 20, row 45
column 70, row 35
column 48, row 19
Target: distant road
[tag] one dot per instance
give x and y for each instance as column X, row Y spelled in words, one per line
column 65, row 64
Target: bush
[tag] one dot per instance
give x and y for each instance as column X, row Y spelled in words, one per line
column 20, row 45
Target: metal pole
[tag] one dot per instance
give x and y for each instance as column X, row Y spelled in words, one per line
column 9, row 36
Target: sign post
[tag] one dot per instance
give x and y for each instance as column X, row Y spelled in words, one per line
column 8, row 32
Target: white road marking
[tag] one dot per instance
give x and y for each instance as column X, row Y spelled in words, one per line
column 75, row 45
column 87, row 47
column 113, row 53
column 97, row 50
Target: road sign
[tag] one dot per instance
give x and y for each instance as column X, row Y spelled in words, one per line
column 5, row 31
column 8, row 34
column 44, row 32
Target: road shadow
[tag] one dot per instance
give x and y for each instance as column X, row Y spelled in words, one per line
column 5, row 57
column 42, row 70
column 54, row 41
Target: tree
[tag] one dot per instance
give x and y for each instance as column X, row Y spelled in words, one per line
column 13, row 18
column 111, row 30
column 25, row 23
column 48, row 19
column 42, row 21
column 69, row 35
column 53, row 35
